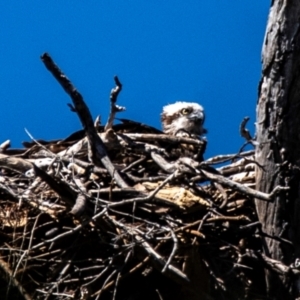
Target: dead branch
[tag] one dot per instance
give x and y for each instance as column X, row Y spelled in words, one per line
column 114, row 108
column 14, row 163
column 4, row 145
column 164, row 138
column 244, row 189
column 244, row 132
column 98, row 152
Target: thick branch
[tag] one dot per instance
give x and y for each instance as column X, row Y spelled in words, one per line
column 98, row 151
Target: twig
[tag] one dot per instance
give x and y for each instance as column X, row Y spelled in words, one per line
column 164, row 138
column 244, row 189
column 42, row 146
column 138, row 161
column 114, row 108
column 227, row 157
column 119, row 274
column 228, row 218
column 96, row 277
column 98, row 293
column 187, row 227
column 244, row 132
column 175, row 247
column 5, row 145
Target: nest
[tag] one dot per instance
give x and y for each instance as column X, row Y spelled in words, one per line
column 126, row 212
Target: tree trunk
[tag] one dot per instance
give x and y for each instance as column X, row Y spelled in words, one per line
column 278, row 137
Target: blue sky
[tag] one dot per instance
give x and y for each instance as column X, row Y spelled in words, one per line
column 203, row 51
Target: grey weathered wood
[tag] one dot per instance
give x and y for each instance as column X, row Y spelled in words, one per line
column 97, row 148
column 278, row 137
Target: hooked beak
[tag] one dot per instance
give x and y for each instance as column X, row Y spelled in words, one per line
column 197, row 117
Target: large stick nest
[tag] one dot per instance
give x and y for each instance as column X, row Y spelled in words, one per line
column 126, row 212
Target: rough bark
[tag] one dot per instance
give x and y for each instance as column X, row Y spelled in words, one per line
column 278, row 137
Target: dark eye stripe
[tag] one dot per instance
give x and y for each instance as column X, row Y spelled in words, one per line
column 185, row 111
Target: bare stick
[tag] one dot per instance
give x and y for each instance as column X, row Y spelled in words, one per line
column 98, row 152
column 228, row 218
column 244, row 132
column 175, row 247
column 242, row 188
column 5, row 145
column 224, row 158
column 42, row 146
column 114, row 108
column 163, row 137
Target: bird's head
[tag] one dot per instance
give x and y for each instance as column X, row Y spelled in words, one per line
column 183, row 118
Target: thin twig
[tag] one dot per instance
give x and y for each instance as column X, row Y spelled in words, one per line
column 244, row 189
column 174, row 249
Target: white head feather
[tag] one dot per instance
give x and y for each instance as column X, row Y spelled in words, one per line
column 183, row 118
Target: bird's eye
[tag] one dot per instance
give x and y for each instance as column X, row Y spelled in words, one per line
column 185, row 111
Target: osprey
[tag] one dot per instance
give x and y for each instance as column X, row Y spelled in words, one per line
column 183, row 119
